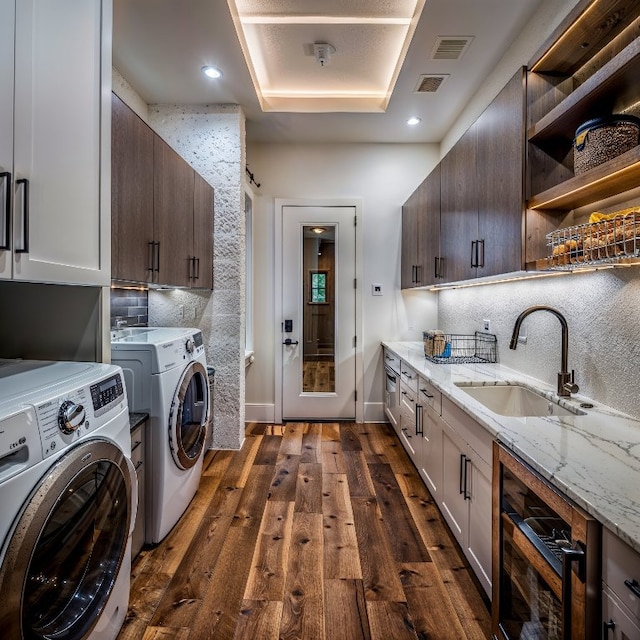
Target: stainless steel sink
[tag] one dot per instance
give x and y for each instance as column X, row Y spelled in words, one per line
column 515, row 400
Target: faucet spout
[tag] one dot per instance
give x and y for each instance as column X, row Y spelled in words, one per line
column 566, row 385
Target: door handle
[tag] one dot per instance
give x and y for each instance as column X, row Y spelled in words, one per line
column 569, row 556
column 25, row 215
column 6, row 176
column 289, row 342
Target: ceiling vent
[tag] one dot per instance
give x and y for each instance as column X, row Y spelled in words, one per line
column 430, row 83
column 450, row 47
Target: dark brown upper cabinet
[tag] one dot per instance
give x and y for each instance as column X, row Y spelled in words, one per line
column 421, row 234
column 162, row 210
column 131, row 194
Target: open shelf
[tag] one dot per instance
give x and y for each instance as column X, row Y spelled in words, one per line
column 586, row 32
column 614, row 86
column 610, row 178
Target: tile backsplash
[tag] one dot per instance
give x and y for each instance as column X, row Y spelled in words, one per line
column 129, row 307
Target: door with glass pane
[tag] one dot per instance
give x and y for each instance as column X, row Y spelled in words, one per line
column 318, row 304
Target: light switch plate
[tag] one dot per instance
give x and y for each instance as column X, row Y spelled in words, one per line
column 376, row 289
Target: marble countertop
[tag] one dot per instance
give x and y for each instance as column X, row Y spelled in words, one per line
column 593, row 458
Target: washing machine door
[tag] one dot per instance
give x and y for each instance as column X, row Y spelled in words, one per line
column 66, row 549
column 189, row 416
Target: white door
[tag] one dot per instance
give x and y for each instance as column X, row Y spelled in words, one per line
column 318, row 312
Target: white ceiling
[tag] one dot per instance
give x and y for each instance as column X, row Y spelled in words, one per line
column 159, row 46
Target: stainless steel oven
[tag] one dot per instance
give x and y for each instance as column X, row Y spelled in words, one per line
column 546, row 558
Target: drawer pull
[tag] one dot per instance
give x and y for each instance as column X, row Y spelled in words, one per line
column 634, row 586
column 425, row 393
column 136, row 444
column 138, row 464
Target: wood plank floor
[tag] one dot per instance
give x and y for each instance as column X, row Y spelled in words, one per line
column 310, row 532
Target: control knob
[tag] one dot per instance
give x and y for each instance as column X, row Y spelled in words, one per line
column 70, row 416
column 190, row 345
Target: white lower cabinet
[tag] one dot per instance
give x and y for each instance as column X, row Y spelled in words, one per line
column 616, row 621
column 453, row 454
column 621, row 589
column 466, row 487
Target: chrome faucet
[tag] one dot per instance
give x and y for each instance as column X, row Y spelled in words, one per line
column 566, row 384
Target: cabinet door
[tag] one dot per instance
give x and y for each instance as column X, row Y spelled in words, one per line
column 500, row 179
column 131, row 194
column 459, row 209
column 618, row 624
column 478, row 547
column 62, row 226
column 203, row 233
column 409, row 261
column 7, row 11
column 430, row 458
column 453, row 504
column 173, row 215
column 429, row 229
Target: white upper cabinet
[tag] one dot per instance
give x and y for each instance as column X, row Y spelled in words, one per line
column 60, row 123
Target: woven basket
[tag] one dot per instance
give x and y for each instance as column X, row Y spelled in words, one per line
column 602, row 139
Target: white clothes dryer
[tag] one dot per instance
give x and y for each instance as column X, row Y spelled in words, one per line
column 165, row 373
column 68, row 498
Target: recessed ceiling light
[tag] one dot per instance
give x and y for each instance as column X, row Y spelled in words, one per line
column 413, row 121
column 212, row 72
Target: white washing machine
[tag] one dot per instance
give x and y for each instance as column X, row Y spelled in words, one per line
column 68, row 498
column 165, row 372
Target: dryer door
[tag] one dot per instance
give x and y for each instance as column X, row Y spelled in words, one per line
column 189, row 416
column 67, row 546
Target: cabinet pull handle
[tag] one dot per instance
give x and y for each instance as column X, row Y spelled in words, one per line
column 608, row 626
column 462, row 478
column 436, row 274
column 418, row 273
column 6, row 176
column 138, row 464
column 419, row 418
column 474, row 253
column 197, row 264
column 466, row 493
column 424, row 391
column 25, row 215
column 480, row 261
column 634, row 586
column 157, row 269
column 569, row 556
column 192, row 268
column 441, row 268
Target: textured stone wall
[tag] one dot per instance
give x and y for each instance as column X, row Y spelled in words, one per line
column 602, row 311
column 211, row 139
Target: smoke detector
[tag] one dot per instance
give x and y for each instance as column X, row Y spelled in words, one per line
column 323, row 52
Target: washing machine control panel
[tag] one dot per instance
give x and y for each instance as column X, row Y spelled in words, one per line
column 64, row 419
column 106, row 393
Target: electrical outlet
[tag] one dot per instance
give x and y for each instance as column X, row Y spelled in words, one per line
column 486, row 325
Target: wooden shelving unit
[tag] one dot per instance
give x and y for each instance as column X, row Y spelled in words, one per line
column 589, row 68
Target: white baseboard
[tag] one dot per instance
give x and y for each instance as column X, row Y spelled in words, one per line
column 259, row 413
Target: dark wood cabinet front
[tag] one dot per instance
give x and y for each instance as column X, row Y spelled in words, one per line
column 173, row 219
column 202, row 268
column 131, row 195
column 459, row 210
column 421, row 234
column 162, row 210
column 500, row 181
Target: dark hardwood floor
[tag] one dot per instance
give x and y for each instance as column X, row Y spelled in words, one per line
column 311, row 532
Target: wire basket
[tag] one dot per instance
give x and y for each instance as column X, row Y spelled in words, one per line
column 451, row 348
column 607, row 241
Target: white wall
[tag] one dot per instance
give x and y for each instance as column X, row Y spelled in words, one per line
column 382, row 176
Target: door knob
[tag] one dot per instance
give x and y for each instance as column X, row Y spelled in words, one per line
column 290, row 342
